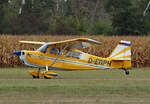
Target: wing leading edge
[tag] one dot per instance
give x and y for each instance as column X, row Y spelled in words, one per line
column 75, row 43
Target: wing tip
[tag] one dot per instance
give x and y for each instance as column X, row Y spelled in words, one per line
column 94, row 41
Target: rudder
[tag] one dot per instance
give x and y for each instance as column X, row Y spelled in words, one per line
column 122, row 51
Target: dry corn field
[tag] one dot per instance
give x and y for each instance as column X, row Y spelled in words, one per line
column 140, row 47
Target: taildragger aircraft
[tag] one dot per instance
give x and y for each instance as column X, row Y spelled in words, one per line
column 67, row 56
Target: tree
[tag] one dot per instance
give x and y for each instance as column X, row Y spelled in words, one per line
column 28, row 18
column 2, row 13
column 126, row 18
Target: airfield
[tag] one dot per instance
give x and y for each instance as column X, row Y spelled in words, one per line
column 75, row 87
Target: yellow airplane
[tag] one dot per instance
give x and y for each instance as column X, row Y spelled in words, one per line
column 67, row 56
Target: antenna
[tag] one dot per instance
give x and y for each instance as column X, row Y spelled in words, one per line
column 144, row 14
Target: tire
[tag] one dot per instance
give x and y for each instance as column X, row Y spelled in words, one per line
column 127, row 72
column 46, row 77
column 38, row 77
column 34, row 76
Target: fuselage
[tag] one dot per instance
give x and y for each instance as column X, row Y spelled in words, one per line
column 65, row 55
column 72, row 59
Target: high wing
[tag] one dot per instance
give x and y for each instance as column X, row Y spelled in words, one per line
column 76, row 43
column 72, row 43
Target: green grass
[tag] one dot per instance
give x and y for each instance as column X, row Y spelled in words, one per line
column 76, row 87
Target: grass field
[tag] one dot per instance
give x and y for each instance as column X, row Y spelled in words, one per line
column 75, row 87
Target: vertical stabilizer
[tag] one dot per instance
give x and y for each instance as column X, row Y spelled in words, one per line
column 122, row 51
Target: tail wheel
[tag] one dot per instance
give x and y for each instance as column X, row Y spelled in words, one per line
column 127, row 72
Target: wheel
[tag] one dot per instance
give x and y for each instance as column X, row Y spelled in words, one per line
column 46, row 77
column 38, row 77
column 34, row 76
column 39, row 70
column 127, row 72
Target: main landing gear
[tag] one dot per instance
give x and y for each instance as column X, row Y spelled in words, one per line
column 126, row 71
column 46, row 74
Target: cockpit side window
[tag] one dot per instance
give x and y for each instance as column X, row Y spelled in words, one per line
column 73, row 54
column 43, row 48
column 54, row 51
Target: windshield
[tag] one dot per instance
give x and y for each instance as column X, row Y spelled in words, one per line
column 43, row 48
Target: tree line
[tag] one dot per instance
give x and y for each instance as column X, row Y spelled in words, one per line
column 74, row 17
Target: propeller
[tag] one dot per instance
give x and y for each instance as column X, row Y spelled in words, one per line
column 18, row 53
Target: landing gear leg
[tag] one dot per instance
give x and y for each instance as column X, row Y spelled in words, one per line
column 38, row 73
column 46, row 68
column 126, row 71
